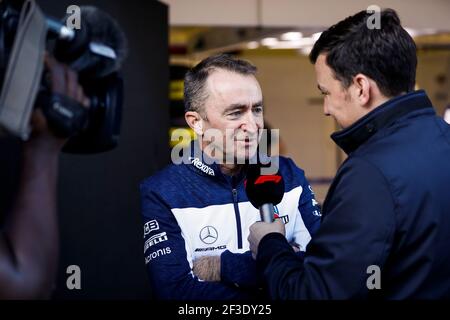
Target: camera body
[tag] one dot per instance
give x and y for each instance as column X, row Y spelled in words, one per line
column 92, row 55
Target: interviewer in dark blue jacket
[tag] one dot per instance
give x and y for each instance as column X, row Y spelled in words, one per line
column 385, row 228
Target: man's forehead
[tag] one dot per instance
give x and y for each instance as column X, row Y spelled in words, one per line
column 321, row 63
column 323, row 72
column 233, row 88
column 224, row 79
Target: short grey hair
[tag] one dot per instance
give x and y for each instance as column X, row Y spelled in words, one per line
column 195, row 94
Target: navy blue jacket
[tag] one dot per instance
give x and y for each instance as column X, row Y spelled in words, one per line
column 192, row 210
column 388, row 206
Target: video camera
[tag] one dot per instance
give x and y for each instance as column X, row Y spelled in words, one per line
column 95, row 50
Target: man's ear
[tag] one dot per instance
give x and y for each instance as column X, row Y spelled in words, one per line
column 195, row 121
column 362, row 89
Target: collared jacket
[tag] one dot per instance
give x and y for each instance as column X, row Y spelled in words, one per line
column 385, row 230
column 192, row 209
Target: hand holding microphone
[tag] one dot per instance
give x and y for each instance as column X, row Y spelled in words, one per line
column 264, row 192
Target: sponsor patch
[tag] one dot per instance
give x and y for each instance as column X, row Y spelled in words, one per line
column 150, row 226
column 157, row 238
column 276, row 215
column 157, row 253
column 211, row 248
column 201, row 166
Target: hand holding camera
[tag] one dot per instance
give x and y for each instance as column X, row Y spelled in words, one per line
column 95, row 51
column 64, row 83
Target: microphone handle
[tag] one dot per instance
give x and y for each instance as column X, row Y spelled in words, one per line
column 267, row 212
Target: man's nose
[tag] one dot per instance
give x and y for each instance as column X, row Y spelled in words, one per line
column 250, row 123
column 325, row 109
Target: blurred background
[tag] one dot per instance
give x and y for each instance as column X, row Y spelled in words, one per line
column 277, row 36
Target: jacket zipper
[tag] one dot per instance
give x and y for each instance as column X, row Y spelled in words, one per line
column 238, row 218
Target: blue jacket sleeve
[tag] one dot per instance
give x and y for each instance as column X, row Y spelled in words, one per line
column 356, row 232
column 239, row 269
column 166, row 257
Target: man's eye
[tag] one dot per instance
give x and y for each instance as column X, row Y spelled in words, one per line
column 235, row 114
column 258, row 110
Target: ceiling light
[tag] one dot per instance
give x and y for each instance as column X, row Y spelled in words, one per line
column 291, row 36
column 269, row 41
column 252, row 45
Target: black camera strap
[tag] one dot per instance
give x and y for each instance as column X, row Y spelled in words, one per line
column 24, row 71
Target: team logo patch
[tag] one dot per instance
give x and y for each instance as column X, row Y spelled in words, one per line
column 276, row 215
column 209, row 235
column 157, row 253
column 223, row 247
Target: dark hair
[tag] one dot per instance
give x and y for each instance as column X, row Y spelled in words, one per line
column 387, row 55
column 195, row 79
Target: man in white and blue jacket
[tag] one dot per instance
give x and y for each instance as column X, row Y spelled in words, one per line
column 196, row 215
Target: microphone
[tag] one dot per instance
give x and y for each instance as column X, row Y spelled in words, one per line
column 98, row 48
column 264, row 191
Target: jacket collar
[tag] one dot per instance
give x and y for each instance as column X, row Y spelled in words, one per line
column 202, row 164
column 357, row 134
